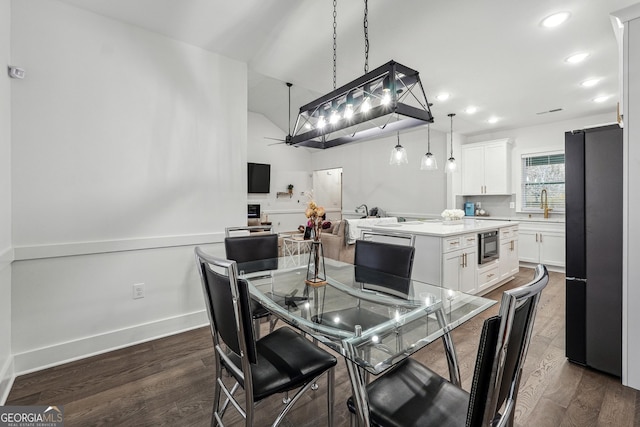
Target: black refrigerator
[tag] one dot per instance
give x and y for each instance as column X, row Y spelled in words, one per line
column 593, row 196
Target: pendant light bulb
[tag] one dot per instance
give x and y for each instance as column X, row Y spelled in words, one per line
column 428, row 162
column 398, row 154
column 451, row 161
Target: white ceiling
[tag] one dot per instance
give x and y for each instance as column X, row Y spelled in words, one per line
column 493, row 54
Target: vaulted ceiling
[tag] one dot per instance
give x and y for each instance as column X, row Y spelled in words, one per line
column 492, row 54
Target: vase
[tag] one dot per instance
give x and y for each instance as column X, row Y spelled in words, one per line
column 452, row 221
column 316, row 275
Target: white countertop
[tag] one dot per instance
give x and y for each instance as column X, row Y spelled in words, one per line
column 553, row 219
column 437, row 228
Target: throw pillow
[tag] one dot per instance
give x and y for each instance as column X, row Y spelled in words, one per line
column 336, row 227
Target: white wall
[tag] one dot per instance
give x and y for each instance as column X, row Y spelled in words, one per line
column 124, row 142
column 631, row 253
column 6, row 252
column 368, row 178
column 288, row 166
column 547, row 137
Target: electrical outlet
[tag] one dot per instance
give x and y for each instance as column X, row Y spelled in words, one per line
column 138, row 290
column 512, row 205
column 478, row 205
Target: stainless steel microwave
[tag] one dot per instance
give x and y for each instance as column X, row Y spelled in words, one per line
column 488, row 246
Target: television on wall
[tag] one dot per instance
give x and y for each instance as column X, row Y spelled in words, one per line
column 258, row 177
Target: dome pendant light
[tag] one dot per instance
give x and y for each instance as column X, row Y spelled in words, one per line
column 428, row 162
column 398, row 154
column 451, row 161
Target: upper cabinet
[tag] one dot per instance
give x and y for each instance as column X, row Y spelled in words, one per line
column 486, row 168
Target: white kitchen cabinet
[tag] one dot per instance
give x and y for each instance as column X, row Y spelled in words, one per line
column 459, row 261
column 509, row 259
column 543, row 243
column 486, row 167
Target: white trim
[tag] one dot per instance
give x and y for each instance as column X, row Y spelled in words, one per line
column 6, row 258
column 284, row 211
column 7, row 377
column 628, row 13
column 58, row 354
column 22, row 253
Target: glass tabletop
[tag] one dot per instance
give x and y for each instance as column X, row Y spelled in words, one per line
column 372, row 318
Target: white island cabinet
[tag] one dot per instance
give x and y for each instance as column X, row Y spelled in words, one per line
column 448, row 255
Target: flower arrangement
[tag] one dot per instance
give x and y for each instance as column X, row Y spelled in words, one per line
column 315, row 214
column 452, row 214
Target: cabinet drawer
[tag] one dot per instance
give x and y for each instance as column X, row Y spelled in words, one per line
column 508, row 233
column 469, row 241
column 488, row 277
column 451, row 243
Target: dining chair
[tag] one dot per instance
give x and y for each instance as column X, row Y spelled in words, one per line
column 279, row 362
column 261, row 252
column 413, row 395
column 395, row 262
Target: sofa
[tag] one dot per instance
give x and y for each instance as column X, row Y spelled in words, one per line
column 334, row 242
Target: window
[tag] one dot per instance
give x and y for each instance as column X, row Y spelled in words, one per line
column 542, row 171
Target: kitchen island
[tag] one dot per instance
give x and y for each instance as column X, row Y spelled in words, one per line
column 451, row 255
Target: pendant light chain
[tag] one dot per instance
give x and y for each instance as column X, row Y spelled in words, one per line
column 335, row 40
column 366, row 36
column 428, row 139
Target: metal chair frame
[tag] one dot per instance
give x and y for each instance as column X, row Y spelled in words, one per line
column 222, row 359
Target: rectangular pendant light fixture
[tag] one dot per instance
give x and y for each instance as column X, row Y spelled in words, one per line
column 382, row 101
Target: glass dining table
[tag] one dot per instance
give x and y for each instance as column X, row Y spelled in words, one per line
column 374, row 320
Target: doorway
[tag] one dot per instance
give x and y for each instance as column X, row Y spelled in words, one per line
column 327, row 191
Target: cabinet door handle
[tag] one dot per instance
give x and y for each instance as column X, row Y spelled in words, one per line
column 512, row 246
column 462, row 260
column 465, row 259
column 490, row 275
column 540, row 237
column 536, row 237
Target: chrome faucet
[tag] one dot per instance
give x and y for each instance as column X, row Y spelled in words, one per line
column 366, row 210
column 544, row 202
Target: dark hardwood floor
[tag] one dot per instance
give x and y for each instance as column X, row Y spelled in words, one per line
column 170, row 381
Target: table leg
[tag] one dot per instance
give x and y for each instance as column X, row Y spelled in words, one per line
column 450, row 351
column 358, row 386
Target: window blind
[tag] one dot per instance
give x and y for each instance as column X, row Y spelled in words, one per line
column 542, row 172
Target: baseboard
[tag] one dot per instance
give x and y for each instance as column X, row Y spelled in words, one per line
column 558, row 269
column 7, row 376
column 47, row 357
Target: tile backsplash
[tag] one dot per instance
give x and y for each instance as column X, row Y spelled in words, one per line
column 493, row 205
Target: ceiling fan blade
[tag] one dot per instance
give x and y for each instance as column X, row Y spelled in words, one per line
column 275, row 139
column 276, row 143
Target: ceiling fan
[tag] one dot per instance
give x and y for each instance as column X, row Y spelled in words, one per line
column 287, row 139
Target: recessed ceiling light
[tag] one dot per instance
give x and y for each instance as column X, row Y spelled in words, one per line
column 442, row 96
column 470, row 109
column 589, row 82
column 555, row 19
column 577, row 57
column 601, row 98
column 493, row 120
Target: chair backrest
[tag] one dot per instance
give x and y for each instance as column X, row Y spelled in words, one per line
column 227, row 302
column 260, row 251
column 394, row 261
column 503, row 348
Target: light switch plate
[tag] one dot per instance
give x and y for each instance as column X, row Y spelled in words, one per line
column 512, row 205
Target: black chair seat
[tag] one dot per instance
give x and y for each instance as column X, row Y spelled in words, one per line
column 399, row 400
column 257, row 310
column 350, row 317
column 286, row 360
